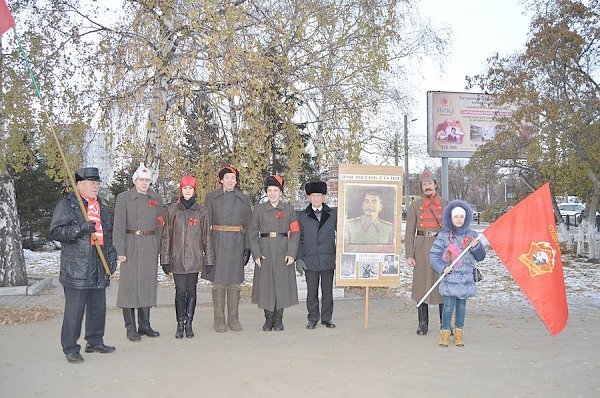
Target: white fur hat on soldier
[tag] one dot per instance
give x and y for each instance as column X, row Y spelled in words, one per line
column 142, row 172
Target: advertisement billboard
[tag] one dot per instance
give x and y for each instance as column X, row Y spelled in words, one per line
column 459, row 123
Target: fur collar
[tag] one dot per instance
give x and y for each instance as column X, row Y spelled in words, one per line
column 447, row 217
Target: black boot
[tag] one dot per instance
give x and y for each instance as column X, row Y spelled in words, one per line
column 268, row 326
column 180, row 313
column 129, row 316
column 278, row 320
column 190, row 308
column 144, row 323
column 423, row 312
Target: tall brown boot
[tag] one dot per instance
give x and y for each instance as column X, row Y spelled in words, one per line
column 218, row 296
column 233, row 302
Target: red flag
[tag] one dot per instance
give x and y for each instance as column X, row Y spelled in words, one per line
column 6, row 19
column 526, row 241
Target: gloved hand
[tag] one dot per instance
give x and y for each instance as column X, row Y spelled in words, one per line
column 300, row 266
column 246, row 257
column 165, row 268
column 88, row 227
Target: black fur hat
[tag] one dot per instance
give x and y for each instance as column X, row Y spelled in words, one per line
column 226, row 170
column 274, row 181
column 316, row 187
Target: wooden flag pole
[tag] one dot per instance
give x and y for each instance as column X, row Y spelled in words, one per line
column 70, row 176
column 366, row 307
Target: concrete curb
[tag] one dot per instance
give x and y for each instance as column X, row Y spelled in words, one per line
column 40, row 282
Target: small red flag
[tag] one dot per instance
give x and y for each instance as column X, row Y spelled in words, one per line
column 6, row 19
column 526, row 240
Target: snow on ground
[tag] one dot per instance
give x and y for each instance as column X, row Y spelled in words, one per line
column 497, row 289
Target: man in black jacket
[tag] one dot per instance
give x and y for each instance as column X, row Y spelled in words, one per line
column 316, row 254
column 81, row 272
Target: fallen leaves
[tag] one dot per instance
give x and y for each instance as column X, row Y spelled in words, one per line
column 17, row 316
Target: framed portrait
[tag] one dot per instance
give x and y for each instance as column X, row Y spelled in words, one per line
column 369, row 225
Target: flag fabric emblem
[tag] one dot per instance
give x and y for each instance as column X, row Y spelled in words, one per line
column 526, row 242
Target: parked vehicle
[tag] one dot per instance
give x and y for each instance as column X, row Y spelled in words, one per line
column 571, row 212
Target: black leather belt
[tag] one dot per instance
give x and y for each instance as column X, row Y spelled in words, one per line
column 429, row 234
column 273, row 235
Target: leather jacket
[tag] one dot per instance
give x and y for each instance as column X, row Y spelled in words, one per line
column 80, row 265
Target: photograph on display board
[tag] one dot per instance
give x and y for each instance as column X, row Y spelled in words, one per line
column 390, row 265
column 368, row 270
column 370, row 217
column 348, row 270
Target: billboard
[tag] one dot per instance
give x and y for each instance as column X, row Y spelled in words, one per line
column 459, row 123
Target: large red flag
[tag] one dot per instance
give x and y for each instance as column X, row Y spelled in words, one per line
column 526, row 241
column 6, row 19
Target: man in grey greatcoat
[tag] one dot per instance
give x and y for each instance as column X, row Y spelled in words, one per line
column 230, row 211
column 139, row 218
column 316, row 253
column 274, row 238
column 423, row 222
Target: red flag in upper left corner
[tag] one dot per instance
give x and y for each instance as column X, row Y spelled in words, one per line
column 6, row 19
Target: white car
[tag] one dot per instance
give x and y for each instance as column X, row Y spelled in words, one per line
column 571, row 211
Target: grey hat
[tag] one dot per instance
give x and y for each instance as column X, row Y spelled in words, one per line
column 87, row 173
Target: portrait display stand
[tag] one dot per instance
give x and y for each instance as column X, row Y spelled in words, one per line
column 369, row 227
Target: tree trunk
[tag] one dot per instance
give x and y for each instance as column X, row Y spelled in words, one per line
column 12, row 262
column 591, row 232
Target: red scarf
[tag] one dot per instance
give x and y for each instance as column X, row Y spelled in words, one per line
column 93, row 213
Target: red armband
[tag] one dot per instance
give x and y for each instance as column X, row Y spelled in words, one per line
column 160, row 221
column 295, row 226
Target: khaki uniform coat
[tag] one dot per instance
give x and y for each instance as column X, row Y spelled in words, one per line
column 232, row 209
column 274, row 285
column 186, row 242
column 419, row 246
column 137, row 275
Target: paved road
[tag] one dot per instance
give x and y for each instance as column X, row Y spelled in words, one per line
column 508, row 353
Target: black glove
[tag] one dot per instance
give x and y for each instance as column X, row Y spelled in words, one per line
column 165, row 268
column 300, row 266
column 88, row 227
column 246, row 257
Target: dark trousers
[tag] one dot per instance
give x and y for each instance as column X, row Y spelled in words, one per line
column 185, row 285
column 312, row 296
column 78, row 301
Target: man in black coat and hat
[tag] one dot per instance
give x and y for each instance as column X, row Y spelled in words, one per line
column 81, row 272
column 316, row 254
